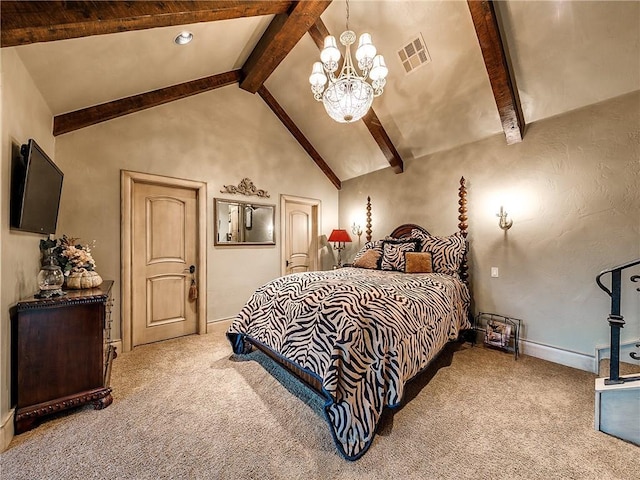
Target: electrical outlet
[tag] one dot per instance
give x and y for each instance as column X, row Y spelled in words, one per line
column 494, row 272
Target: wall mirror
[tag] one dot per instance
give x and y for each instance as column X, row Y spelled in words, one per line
column 243, row 223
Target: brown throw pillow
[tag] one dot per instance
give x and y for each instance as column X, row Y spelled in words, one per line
column 418, row 262
column 369, row 259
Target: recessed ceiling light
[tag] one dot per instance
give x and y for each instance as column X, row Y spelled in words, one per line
column 183, row 38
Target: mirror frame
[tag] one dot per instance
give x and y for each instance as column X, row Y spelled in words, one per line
column 216, row 208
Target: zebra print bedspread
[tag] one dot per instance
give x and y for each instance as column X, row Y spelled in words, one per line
column 362, row 333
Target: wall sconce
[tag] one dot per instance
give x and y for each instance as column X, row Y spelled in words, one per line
column 356, row 230
column 504, row 224
column 339, row 238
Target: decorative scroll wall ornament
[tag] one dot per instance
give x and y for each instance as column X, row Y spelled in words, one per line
column 245, row 187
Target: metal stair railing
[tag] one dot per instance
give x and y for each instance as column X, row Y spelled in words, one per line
column 616, row 320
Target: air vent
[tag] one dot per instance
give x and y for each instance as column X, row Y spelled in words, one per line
column 414, row 54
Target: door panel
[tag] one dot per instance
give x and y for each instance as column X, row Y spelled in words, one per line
column 162, row 293
column 164, row 246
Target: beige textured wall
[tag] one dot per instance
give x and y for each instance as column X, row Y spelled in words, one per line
column 24, row 115
column 572, row 189
column 217, row 137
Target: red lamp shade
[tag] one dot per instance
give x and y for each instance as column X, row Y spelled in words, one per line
column 339, row 236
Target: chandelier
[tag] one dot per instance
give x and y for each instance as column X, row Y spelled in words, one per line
column 348, row 96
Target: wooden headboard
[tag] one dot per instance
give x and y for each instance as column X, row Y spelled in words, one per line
column 404, row 230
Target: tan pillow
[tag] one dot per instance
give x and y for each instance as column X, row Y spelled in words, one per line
column 369, row 259
column 418, row 262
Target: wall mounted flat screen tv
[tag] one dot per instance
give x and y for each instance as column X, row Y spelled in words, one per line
column 36, row 186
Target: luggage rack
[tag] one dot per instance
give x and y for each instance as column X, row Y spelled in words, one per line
column 500, row 331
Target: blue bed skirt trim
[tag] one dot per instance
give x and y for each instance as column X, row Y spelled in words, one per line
column 241, row 344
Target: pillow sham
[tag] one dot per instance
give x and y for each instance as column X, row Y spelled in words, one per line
column 370, row 259
column 418, row 262
column 377, row 246
column 393, row 252
column 446, row 252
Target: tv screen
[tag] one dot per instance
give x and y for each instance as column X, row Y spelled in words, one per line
column 35, row 191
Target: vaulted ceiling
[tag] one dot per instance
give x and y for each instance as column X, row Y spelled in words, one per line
column 494, row 67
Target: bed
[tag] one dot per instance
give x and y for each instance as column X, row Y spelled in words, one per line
column 358, row 335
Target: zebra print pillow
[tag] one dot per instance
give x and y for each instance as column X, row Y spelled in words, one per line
column 446, row 252
column 377, row 246
column 393, row 253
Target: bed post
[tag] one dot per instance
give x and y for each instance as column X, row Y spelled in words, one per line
column 462, row 226
column 368, row 219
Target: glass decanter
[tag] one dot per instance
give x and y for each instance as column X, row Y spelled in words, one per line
column 50, row 277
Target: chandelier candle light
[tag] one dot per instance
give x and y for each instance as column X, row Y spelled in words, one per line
column 348, row 96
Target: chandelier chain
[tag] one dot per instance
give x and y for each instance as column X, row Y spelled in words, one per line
column 347, row 2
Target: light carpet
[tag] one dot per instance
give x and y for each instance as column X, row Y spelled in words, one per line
column 188, row 408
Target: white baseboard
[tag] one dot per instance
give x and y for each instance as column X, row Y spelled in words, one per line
column 118, row 342
column 577, row 360
column 626, row 347
column 211, row 323
column 7, row 431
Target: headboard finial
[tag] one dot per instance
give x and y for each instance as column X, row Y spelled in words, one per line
column 462, row 226
column 462, row 209
column 368, row 230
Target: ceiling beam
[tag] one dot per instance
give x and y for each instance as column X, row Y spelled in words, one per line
column 503, row 83
column 282, row 34
column 86, row 117
column 379, row 134
column 25, row 22
column 298, row 135
column 318, row 32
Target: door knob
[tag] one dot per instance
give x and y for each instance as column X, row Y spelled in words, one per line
column 191, row 269
column 286, row 263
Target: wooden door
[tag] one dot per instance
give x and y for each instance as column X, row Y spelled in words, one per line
column 164, row 248
column 300, row 234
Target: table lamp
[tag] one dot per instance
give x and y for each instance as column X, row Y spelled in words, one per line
column 339, row 238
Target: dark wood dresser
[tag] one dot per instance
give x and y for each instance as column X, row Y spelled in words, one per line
column 61, row 356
